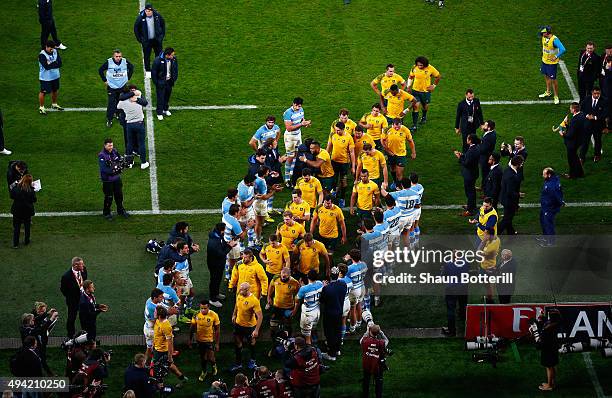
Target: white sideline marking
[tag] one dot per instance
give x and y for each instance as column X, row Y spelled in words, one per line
column 570, row 82
column 218, row 210
column 591, row 371
column 180, row 107
column 529, row 102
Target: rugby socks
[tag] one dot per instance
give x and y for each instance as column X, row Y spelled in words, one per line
column 415, row 118
column 251, row 236
column 270, row 203
column 417, row 231
column 343, row 332
column 238, row 354
column 424, row 114
column 289, row 170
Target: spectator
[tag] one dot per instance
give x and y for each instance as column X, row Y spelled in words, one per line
column 216, row 252
column 332, row 299
column 24, row 197
column 47, row 24
column 551, row 201
column 373, row 348
column 49, row 63
column 164, row 75
column 132, row 105
column 150, row 30
column 506, row 266
column 468, row 117
column 115, row 73
column 509, row 195
column 455, row 294
column 305, row 367
column 136, row 378
column 71, row 287
column 492, row 184
column 89, row 309
column 3, row 150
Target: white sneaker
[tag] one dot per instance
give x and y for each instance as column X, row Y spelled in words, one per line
column 167, row 113
column 221, row 296
column 144, row 165
column 62, row 46
column 160, row 117
column 148, row 74
column 215, row 304
column 5, row 152
column 327, row 357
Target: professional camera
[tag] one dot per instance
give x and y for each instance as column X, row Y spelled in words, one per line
column 604, row 345
column 122, row 162
column 158, row 372
column 571, row 347
column 78, row 340
column 482, row 343
column 534, row 330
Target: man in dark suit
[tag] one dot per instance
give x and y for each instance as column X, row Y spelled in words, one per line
column 89, row 309
column 509, row 195
column 507, row 265
column 150, row 30
column 468, row 118
column 27, row 361
column 164, row 74
column 492, row 185
column 469, row 171
column 487, row 146
column 596, row 110
column 572, row 138
column 71, row 286
column 517, row 149
column 589, row 67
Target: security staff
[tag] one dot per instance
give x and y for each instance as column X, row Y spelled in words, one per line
column 164, row 75
column 150, row 30
column 111, row 180
column 49, row 63
column 115, row 73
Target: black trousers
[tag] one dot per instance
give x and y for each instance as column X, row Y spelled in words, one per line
column 504, row 299
column 90, row 328
column 584, row 87
column 113, row 100
column 378, row 384
column 17, row 221
column 452, row 303
column 332, row 327
column 470, row 193
column 506, row 222
column 595, row 131
column 147, row 46
column 465, row 131
column 48, row 28
column 113, row 189
column 73, row 311
column 216, row 274
column 163, row 91
column 575, row 167
column 1, row 138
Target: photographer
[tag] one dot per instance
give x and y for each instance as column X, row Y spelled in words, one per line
column 549, row 347
column 305, row 367
column 241, row 388
column 87, row 383
column 16, row 170
column 136, row 378
column 26, row 362
column 218, row 389
column 111, row 166
column 373, row 350
column 39, row 324
column 265, row 383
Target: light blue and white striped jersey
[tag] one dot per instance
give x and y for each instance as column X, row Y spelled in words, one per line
column 160, row 276
column 310, row 294
column 384, row 230
column 418, row 188
column 349, row 285
column 392, row 217
column 232, row 227
column 169, row 293
column 260, row 186
column 227, row 203
column 245, row 192
column 406, row 199
column 295, row 117
column 263, row 133
column 357, row 272
column 183, row 268
column 149, row 312
column 375, row 240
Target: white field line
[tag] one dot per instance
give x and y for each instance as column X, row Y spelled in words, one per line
column 218, row 210
column 180, row 107
column 591, row 371
column 570, row 82
column 529, row 102
column 150, row 135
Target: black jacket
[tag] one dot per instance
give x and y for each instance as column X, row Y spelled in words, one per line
column 13, row 175
column 70, row 287
column 514, row 152
column 464, row 111
column 136, row 379
column 158, row 70
column 506, row 289
column 23, row 202
column 332, row 298
column 45, row 11
column 142, row 32
column 487, row 146
column 592, row 66
column 492, row 185
column 216, row 249
column 88, row 311
column 469, row 163
column 510, row 186
column 576, row 131
column 600, row 111
column 28, row 363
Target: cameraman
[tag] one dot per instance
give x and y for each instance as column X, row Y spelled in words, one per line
column 136, row 378
column 110, row 174
column 373, row 349
column 305, row 367
column 549, row 346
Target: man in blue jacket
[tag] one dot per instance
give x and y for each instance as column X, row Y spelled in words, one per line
column 164, row 75
column 551, row 201
column 150, row 30
column 115, row 73
column 111, row 180
column 49, row 63
column 47, row 24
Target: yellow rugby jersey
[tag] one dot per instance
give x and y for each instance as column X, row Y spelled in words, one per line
column 326, row 167
column 422, row 77
column 386, row 81
column 483, row 218
column 284, row 292
column 378, row 122
column 290, row 233
column 365, row 192
column 309, row 190
column 254, row 274
column 205, row 326
column 246, row 307
column 298, row 209
column 340, row 148
column 162, row 332
column 359, row 142
column 396, row 140
column 549, row 51
column 491, row 249
column 395, row 103
column 373, row 164
column 328, row 221
column 349, row 127
column 309, row 256
column 277, row 255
